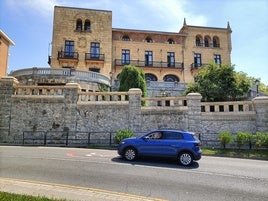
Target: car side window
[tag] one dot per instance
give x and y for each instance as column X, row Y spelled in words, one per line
column 154, row 136
column 169, row 135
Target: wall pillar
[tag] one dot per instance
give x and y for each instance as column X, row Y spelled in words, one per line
column 71, row 92
column 71, row 98
column 134, row 109
column 194, row 112
column 7, row 88
column 261, row 108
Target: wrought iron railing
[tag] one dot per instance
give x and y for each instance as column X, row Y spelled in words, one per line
column 91, row 56
column 197, row 65
column 67, row 55
column 156, row 64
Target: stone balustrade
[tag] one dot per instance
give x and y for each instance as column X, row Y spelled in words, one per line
column 67, row 73
column 39, row 90
column 165, row 101
column 84, row 97
column 237, row 106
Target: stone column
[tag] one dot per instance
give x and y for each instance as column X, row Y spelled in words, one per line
column 134, row 120
column 71, row 98
column 194, row 112
column 261, row 108
column 71, row 92
column 7, row 88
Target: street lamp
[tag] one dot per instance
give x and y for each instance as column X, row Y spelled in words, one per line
column 257, row 82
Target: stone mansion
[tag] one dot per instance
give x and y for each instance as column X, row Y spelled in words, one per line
column 86, row 49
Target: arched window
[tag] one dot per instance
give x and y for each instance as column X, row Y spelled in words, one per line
column 125, row 38
column 198, row 40
column 170, row 41
column 87, row 26
column 148, row 39
column 78, row 25
column 150, row 77
column 216, row 41
column 207, row 41
column 171, row 78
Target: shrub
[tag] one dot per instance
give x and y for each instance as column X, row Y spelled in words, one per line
column 122, row 134
column 265, row 140
column 225, row 138
column 249, row 139
column 241, row 139
column 259, row 139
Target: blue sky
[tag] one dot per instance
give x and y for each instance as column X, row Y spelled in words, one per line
column 29, row 24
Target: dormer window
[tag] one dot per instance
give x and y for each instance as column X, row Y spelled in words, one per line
column 170, row 41
column 125, row 38
column 87, row 26
column 148, row 40
column 79, row 25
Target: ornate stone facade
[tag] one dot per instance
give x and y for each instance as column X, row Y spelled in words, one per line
column 84, row 39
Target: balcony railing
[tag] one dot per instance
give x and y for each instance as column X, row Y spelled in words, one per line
column 197, row 65
column 67, row 55
column 91, row 56
column 214, row 45
column 154, row 64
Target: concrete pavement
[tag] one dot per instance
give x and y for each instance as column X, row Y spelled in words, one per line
column 68, row 192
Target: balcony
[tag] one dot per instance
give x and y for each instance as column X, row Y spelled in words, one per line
column 195, row 66
column 150, row 64
column 95, row 57
column 68, row 56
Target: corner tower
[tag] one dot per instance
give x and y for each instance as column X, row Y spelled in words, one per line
column 82, row 39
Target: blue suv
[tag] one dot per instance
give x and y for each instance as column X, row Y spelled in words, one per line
column 179, row 144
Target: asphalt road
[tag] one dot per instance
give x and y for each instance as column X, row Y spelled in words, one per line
column 212, row 178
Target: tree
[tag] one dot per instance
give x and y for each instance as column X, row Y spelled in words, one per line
column 132, row 77
column 219, row 83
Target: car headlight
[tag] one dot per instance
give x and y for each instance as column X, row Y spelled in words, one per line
column 122, row 142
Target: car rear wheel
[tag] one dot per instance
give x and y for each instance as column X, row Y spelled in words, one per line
column 185, row 158
column 130, row 154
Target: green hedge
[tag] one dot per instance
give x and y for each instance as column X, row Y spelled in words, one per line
column 122, row 134
column 257, row 140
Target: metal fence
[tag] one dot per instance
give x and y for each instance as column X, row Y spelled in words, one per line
column 84, row 139
column 67, row 138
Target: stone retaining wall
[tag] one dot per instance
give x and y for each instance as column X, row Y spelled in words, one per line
column 23, row 108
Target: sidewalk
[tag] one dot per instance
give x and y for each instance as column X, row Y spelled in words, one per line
column 68, row 192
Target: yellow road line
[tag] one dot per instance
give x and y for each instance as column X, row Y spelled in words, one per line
column 82, row 188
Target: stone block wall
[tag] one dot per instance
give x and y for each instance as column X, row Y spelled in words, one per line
column 86, row 112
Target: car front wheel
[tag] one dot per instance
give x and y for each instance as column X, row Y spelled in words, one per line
column 130, row 154
column 185, row 158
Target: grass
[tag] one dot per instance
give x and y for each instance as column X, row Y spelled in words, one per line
column 16, row 197
column 238, row 153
